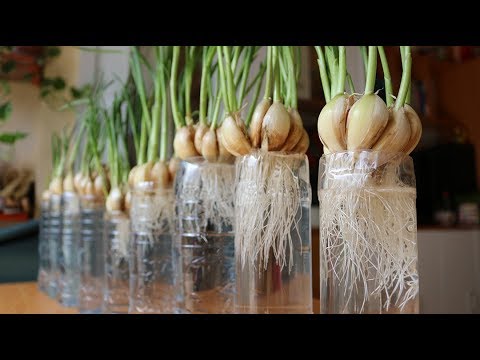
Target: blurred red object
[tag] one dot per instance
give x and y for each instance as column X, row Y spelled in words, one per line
column 27, row 66
column 14, row 217
column 463, row 53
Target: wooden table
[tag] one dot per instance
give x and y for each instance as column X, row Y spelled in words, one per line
column 25, row 298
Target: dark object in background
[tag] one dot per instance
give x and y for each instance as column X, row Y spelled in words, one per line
column 19, row 252
column 314, row 153
column 17, row 231
column 443, row 168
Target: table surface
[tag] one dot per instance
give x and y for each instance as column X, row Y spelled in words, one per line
column 25, row 298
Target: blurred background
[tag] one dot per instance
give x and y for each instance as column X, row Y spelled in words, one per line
column 36, row 80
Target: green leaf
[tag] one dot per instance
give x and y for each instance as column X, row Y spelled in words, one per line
column 11, row 138
column 53, row 51
column 58, row 83
column 82, row 92
column 8, row 66
column 44, row 92
column 73, row 103
column 5, row 111
column 5, row 87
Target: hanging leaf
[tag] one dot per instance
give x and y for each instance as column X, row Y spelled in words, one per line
column 44, row 92
column 53, row 51
column 8, row 66
column 76, row 93
column 5, row 111
column 5, row 86
column 11, row 138
column 58, row 83
column 82, row 92
column 74, row 103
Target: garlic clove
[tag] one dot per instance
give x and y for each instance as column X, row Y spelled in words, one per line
column 98, row 184
column 131, row 175
column 233, row 138
column 143, row 173
column 223, row 154
column 303, row 144
column 396, row 134
column 56, row 186
column 183, row 143
column 160, row 174
column 199, row 133
column 88, row 187
column 210, row 146
column 255, row 128
column 366, row 121
column 115, row 200
column 275, row 127
column 332, row 120
column 77, row 180
column 415, row 128
column 68, row 184
column 296, row 130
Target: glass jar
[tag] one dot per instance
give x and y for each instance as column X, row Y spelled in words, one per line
column 68, row 251
column 204, row 244
column 116, row 290
column 151, row 263
column 54, row 244
column 273, row 198
column 44, row 268
column 368, row 233
column 91, row 254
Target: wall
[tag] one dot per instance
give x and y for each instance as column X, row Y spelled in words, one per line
column 448, row 268
column 33, row 116
column 458, row 92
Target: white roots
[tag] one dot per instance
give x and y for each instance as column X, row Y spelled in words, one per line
column 118, row 227
column 152, row 211
column 217, row 193
column 205, row 194
column 368, row 229
column 269, row 191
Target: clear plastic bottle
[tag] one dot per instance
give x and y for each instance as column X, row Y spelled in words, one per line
column 54, row 244
column 368, row 233
column 44, row 268
column 68, row 251
column 91, row 254
column 273, row 234
column 116, row 291
column 204, row 244
column 152, row 278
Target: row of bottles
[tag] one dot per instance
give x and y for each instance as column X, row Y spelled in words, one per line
column 175, row 253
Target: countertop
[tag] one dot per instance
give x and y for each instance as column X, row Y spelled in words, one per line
column 25, row 298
